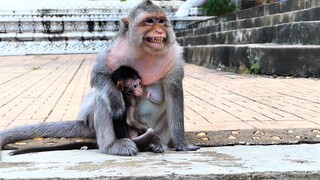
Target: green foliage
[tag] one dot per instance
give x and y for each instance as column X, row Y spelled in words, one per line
column 255, row 68
column 243, row 69
column 219, row 7
column 254, row 65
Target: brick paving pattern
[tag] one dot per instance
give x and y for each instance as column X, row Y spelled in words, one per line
column 50, row 88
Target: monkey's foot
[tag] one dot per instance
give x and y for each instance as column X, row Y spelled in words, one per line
column 187, row 147
column 123, row 147
column 157, row 148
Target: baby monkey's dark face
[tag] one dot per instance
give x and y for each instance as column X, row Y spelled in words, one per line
column 135, row 86
column 131, row 86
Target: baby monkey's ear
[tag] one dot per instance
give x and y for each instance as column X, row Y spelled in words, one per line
column 120, row 85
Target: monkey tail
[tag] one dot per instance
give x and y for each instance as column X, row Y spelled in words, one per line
column 52, row 129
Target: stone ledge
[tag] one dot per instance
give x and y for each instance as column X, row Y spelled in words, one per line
column 238, row 162
column 271, row 59
column 288, row 33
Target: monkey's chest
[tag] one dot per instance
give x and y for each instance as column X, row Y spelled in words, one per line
column 150, row 109
column 152, row 74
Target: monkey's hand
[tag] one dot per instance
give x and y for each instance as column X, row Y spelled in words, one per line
column 186, row 147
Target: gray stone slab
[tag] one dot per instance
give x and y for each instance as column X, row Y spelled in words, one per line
column 272, row 59
column 259, row 162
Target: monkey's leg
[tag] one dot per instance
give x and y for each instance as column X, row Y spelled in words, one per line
column 162, row 136
column 105, row 134
column 174, row 101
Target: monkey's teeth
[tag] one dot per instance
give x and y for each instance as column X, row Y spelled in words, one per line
column 158, row 40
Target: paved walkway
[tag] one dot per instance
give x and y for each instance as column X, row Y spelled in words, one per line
column 50, row 88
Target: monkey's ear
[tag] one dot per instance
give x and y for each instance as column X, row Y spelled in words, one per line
column 120, row 85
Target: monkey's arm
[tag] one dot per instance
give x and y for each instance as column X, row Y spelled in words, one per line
column 101, row 80
column 132, row 115
column 175, row 109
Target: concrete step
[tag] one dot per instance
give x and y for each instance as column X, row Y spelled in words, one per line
column 270, row 59
column 233, row 162
column 289, row 33
column 274, row 8
column 213, row 25
column 264, row 10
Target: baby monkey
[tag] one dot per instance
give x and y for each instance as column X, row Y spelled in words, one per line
column 128, row 81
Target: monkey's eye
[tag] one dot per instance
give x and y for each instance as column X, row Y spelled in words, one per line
column 162, row 21
column 149, row 21
column 135, row 86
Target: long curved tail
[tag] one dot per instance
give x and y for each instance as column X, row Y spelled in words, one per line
column 52, row 129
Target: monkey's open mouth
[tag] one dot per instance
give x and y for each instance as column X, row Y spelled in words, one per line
column 155, row 40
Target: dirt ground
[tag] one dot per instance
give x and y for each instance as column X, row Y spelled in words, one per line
column 210, row 138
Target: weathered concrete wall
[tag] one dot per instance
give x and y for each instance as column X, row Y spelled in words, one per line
column 288, row 60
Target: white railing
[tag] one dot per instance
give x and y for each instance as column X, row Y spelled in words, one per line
column 68, row 26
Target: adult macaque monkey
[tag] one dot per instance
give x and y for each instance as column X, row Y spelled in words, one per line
column 145, row 42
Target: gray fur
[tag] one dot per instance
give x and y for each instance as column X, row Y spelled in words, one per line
column 53, row 129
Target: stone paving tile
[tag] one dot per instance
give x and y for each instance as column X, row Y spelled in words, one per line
column 225, row 101
column 50, row 88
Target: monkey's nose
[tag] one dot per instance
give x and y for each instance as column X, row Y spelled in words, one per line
column 159, row 31
column 140, row 93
